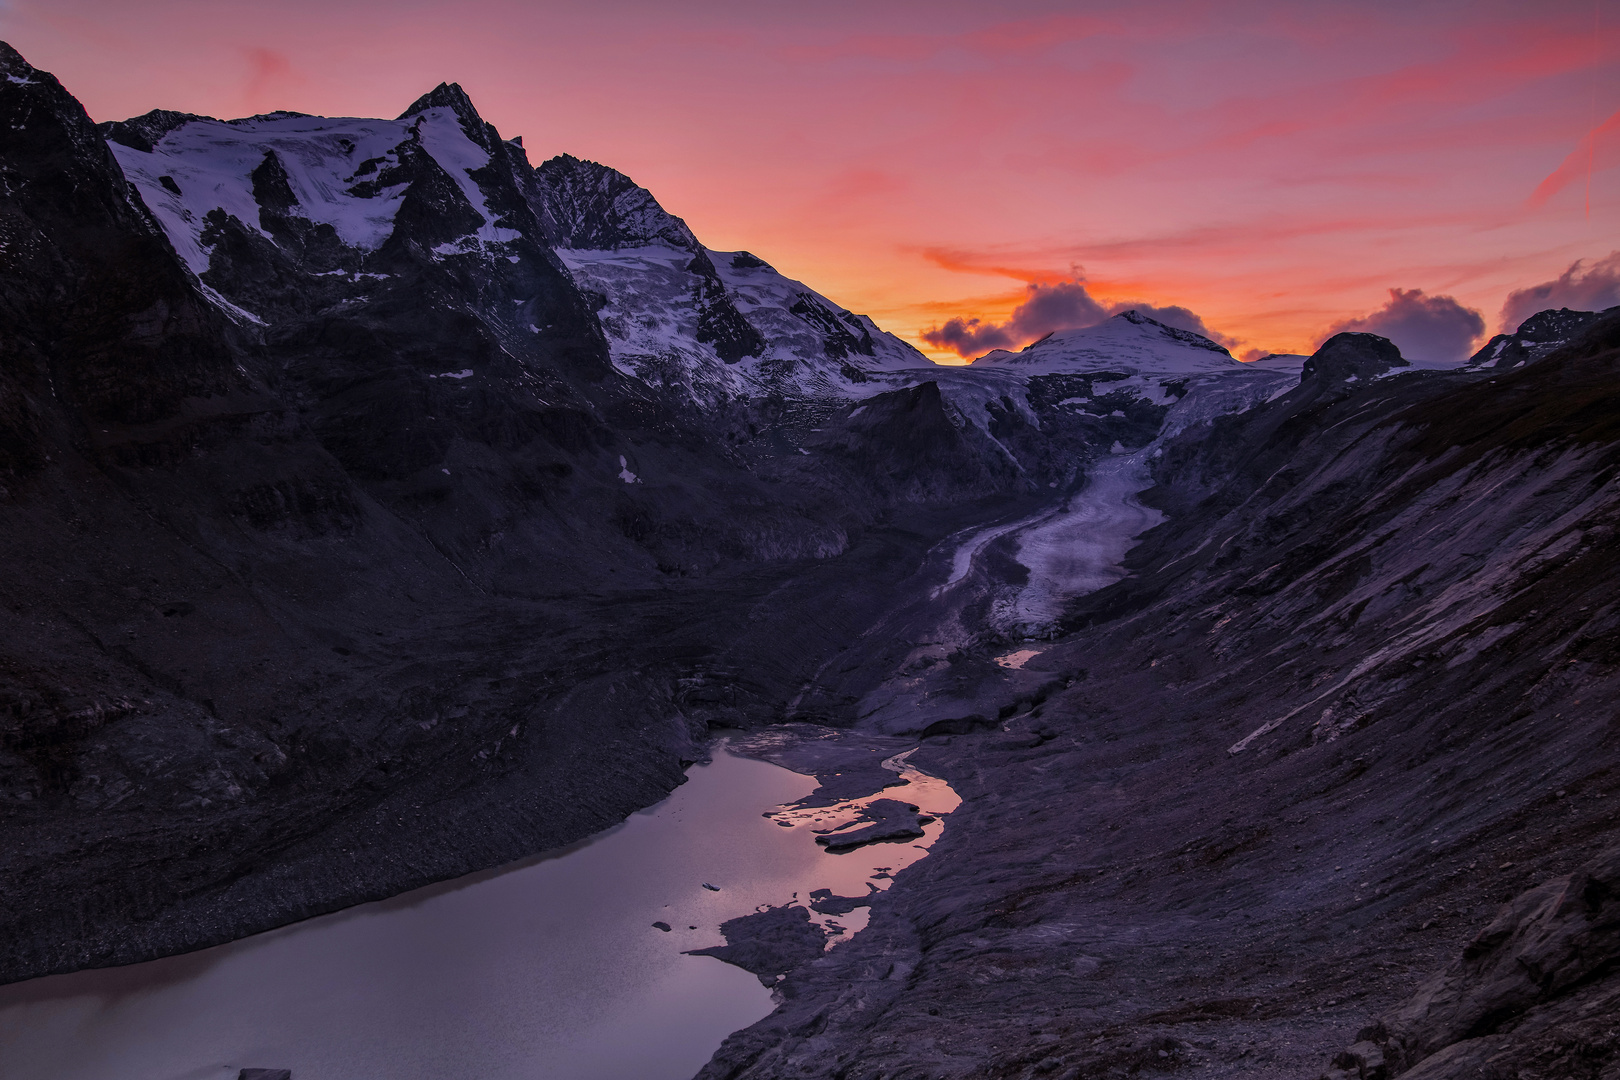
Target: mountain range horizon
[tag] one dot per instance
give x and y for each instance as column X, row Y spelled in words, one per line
column 1441, row 330
column 379, row 510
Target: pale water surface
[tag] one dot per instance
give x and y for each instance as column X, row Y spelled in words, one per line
column 546, row 970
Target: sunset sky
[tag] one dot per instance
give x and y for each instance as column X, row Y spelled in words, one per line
column 1275, row 169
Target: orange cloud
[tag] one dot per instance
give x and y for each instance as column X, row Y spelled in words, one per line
column 968, row 262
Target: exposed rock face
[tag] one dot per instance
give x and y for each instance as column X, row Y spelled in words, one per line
column 97, row 314
column 1347, row 357
column 600, row 209
column 907, row 439
column 1537, row 336
column 881, row 821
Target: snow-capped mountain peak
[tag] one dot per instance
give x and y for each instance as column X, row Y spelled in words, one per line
column 451, row 96
column 347, row 174
column 1129, row 342
column 335, row 204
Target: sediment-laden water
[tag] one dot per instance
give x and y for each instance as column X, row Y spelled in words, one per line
column 551, row 968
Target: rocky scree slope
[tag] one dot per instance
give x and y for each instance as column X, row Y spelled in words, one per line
column 1356, row 693
column 339, row 555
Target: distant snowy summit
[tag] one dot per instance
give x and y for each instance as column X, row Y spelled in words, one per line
column 1130, row 342
column 1290, row 362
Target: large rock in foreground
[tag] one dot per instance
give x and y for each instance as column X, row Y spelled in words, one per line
column 1544, row 947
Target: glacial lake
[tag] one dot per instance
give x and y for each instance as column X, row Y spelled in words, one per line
column 549, row 969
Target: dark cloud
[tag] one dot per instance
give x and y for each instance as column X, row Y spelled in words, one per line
column 1179, row 317
column 1429, row 329
column 1585, row 286
column 1061, row 306
column 1065, row 305
column 968, row 337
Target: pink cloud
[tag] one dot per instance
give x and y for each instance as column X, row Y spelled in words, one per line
column 1585, row 286
column 1593, row 153
column 1431, row 329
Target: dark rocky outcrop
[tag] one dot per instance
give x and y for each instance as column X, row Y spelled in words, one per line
column 909, row 442
column 824, row 902
column 1350, row 356
column 841, row 333
column 144, row 131
column 1533, row 339
column 720, row 324
column 595, row 207
column 881, row 821
column 1541, row 953
column 98, row 317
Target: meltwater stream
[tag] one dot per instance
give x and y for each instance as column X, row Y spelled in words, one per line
column 550, row 969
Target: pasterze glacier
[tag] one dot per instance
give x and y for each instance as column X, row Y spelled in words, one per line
column 458, row 624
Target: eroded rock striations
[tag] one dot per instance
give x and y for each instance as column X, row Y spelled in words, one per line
column 1356, row 692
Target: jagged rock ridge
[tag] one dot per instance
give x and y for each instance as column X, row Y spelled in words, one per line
column 1534, row 338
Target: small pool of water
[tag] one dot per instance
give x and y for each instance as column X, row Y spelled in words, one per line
column 550, row 968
